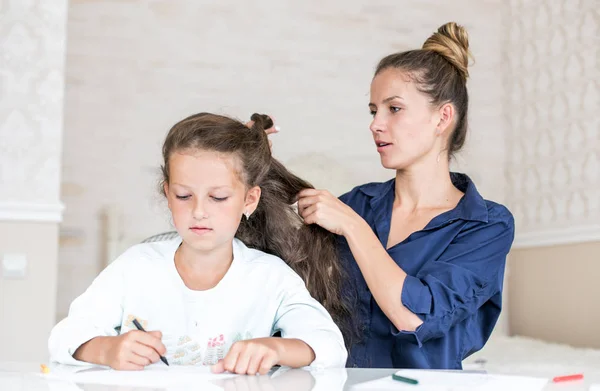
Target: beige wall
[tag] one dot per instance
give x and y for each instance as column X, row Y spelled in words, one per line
column 555, row 293
column 27, row 306
column 134, row 68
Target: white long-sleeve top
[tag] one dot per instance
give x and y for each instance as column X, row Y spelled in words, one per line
column 258, row 296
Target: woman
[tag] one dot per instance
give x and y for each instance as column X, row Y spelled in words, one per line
column 424, row 251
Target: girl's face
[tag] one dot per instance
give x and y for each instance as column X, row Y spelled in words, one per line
column 207, row 197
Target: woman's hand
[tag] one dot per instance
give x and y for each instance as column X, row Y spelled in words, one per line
column 272, row 130
column 322, row 208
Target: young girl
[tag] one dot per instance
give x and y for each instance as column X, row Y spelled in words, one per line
column 212, row 296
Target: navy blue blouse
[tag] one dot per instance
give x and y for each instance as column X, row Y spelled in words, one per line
column 455, row 268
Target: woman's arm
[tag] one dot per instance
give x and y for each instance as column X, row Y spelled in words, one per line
column 445, row 291
column 383, row 276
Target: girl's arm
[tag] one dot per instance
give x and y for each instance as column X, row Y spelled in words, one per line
column 301, row 317
column 95, row 313
column 308, row 334
column 88, row 334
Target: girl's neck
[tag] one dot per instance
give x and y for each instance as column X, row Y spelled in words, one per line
column 203, row 270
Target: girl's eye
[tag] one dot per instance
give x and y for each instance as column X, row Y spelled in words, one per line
column 219, row 199
column 182, row 197
column 373, row 112
column 395, row 109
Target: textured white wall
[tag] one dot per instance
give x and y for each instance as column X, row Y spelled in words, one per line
column 135, row 68
column 553, row 158
column 32, row 57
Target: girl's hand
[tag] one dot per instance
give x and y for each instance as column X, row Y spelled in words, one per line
column 129, row 351
column 251, row 356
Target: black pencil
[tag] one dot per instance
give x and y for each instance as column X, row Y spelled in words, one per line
column 139, row 327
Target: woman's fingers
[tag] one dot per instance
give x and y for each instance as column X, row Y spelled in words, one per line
column 309, row 193
column 309, row 214
column 272, row 130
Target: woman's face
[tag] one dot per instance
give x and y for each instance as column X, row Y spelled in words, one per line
column 405, row 126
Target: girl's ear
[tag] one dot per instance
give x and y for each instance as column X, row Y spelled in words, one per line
column 252, row 199
column 166, row 190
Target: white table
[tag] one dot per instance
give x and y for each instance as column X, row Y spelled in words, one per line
column 16, row 376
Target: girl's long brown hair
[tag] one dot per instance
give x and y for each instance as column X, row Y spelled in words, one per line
column 274, row 227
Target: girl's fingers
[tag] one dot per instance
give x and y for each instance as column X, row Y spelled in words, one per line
column 267, row 362
column 230, row 360
column 254, row 364
column 219, row 367
column 241, row 367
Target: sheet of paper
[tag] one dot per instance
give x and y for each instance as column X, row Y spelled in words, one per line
column 156, row 376
column 454, row 381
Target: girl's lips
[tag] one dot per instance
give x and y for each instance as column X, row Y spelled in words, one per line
column 200, row 230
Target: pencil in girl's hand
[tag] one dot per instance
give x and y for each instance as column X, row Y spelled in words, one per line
column 139, row 327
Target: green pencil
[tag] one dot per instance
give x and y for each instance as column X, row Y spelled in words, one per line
column 404, row 379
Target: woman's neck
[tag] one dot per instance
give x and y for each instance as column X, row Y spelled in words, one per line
column 202, row 270
column 426, row 186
